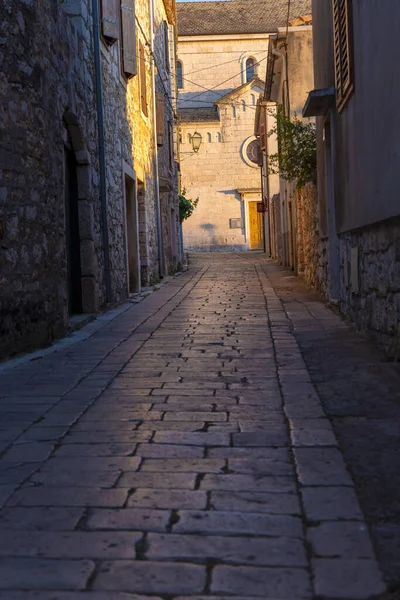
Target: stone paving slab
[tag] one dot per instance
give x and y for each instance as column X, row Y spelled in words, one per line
column 181, row 451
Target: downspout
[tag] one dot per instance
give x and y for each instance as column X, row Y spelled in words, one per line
column 263, row 221
column 267, row 181
column 284, row 213
column 156, row 177
column 102, row 156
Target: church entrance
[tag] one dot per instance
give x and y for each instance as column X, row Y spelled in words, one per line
column 255, row 227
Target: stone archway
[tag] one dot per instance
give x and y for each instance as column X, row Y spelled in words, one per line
column 88, row 259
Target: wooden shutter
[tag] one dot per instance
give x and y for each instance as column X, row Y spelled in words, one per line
column 110, row 19
column 160, row 119
column 166, row 45
column 171, row 145
column 343, row 50
column 143, row 82
column 129, row 63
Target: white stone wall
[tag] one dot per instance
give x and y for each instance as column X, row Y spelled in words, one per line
column 217, row 62
column 218, row 171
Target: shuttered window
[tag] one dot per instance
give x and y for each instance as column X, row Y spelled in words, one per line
column 171, row 145
column 179, row 74
column 160, row 119
column 166, row 46
column 109, row 11
column 128, row 27
column 143, row 82
column 343, row 36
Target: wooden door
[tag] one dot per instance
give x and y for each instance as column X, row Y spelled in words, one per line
column 256, row 231
column 132, row 235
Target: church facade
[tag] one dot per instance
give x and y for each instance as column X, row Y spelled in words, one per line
column 222, row 53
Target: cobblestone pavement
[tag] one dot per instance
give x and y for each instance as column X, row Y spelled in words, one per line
column 181, row 452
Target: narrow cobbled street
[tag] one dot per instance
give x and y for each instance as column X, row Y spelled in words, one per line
column 182, row 450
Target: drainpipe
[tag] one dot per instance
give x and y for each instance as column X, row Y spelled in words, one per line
column 267, row 180
column 102, row 156
column 156, row 178
column 285, row 212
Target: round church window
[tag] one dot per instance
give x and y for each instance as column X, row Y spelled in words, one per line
column 250, row 151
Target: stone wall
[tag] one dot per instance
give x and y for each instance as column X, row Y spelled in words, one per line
column 218, row 170
column 119, row 154
column 165, row 87
column 46, row 99
column 275, row 227
column 312, row 254
column 144, row 154
column 219, row 65
column 370, row 282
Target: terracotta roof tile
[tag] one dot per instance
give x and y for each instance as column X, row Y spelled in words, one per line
column 198, row 115
column 237, row 16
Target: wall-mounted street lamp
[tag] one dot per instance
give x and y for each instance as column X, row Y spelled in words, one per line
column 196, row 141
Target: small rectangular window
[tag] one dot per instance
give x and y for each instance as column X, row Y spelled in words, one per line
column 166, row 46
column 160, row 124
column 343, row 38
column 143, row 82
column 171, row 145
column 179, row 75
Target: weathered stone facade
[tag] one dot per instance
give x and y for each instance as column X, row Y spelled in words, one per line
column 142, row 121
column 312, row 256
column 220, row 176
column 217, row 99
column 55, row 222
column 370, row 282
column 166, row 91
column 358, row 168
column 119, row 161
column 46, row 81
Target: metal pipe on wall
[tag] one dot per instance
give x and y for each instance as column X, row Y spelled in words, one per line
column 102, row 156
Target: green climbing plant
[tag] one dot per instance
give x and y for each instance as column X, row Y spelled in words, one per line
column 296, row 159
column 186, row 206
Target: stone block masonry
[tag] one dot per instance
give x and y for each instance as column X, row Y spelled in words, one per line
column 312, row 256
column 51, row 230
column 370, row 282
column 43, row 88
column 369, row 271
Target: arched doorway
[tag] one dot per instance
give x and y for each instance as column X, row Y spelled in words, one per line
column 82, row 266
column 72, row 234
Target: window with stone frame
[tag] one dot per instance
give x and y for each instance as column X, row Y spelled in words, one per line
column 250, row 69
column 343, row 38
column 142, row 80
column 179, row 74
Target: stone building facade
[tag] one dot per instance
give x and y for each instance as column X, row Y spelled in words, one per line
column 74, row 150
column 42, row 144
column 288, row 79
column 357, row 117
column 166, row 133
column 222, row 53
